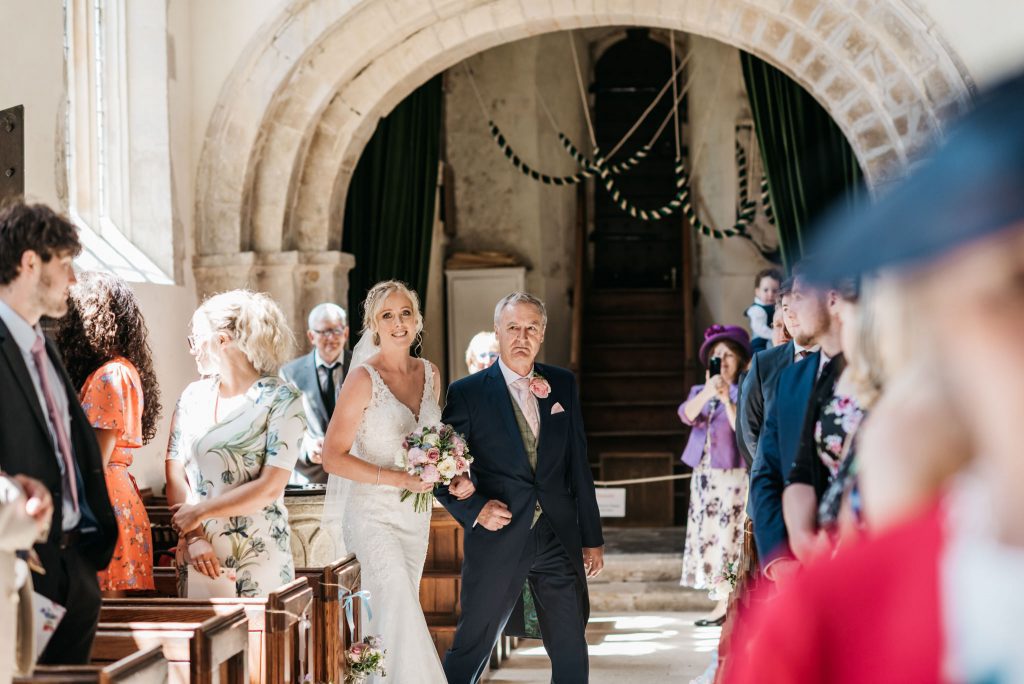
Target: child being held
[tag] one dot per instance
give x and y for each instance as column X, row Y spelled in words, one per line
column 762, row 311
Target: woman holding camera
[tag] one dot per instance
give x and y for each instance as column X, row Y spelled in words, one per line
column 718, row 488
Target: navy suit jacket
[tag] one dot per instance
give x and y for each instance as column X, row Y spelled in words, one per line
column 480, row 407
column 26, row 448
column 776, row 451
column 757, row 392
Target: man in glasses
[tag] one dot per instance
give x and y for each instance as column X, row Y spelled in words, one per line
column 319, row 375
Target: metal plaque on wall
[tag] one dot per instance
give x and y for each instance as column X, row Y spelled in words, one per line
column 12, row 153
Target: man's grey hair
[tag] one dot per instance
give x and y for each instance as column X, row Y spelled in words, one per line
column 520, row 298
column 326, row 310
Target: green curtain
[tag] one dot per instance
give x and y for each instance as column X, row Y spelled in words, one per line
column 389, row 210
column 807, row 159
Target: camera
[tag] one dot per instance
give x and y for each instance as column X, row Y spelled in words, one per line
column 715, row 366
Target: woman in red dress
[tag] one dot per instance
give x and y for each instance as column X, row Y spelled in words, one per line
column 103, row 340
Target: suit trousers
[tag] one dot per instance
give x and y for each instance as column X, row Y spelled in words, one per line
column 71, row 581
column 554, row 584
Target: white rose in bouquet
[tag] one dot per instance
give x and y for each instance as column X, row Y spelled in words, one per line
column 447, row 468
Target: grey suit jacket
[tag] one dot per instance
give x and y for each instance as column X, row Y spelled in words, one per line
column 302, row 373
column 757, row 392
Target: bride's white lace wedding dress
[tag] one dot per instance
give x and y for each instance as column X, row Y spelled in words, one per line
column 390, row 539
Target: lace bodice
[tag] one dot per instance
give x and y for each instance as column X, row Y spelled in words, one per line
column 387, row 421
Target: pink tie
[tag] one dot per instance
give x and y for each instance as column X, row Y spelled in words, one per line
column 38, row 355
column 528, row 403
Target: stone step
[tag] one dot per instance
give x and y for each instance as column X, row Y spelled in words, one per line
column 640, row 567
column 647, row 596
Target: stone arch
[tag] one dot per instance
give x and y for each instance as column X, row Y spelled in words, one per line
column 302, row 103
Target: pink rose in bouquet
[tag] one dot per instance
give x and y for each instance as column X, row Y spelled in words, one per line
column 430, row 474
column 433, row 455
column 417, row 456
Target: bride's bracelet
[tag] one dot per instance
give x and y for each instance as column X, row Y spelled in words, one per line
column 378, row 474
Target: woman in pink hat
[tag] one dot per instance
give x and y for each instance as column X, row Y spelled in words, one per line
column 718, row 489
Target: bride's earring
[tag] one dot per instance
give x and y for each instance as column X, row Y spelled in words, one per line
column 376, row 339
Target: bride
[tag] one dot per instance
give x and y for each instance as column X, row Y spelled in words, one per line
column 387, row 395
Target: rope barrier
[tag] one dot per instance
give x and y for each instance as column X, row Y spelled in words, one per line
column 641, row 480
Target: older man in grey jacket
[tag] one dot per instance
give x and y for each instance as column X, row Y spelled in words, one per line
column 319, row 376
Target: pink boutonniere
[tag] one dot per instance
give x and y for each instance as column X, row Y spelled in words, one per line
column 539, row 386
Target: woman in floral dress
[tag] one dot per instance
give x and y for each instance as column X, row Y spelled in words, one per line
column 103, row 341
column 718, row 488
column 234, row 441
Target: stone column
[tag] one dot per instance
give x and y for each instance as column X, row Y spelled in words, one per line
column 221, row 272
column 322, row 277
column 274, row 273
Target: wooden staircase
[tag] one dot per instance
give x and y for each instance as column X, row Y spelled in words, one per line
column 633, row 378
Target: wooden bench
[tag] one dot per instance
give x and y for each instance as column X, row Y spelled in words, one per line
column 280, row 625
column 142, row 667
column 201, row 644
column 330, row 633
column 330, row 636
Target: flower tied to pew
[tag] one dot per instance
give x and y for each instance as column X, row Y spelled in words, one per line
column 365, row 658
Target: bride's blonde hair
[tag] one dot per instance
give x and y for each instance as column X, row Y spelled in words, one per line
column 374, row 302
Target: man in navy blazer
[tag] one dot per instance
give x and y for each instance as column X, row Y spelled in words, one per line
column 759, row 382
column 784, row 426
column 533, row 519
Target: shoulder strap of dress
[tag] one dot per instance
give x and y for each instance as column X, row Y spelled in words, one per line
column 428, row 377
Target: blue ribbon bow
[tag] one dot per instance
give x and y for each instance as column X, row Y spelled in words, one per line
column 347, row 596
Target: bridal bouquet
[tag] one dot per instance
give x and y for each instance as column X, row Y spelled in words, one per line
column 365, row 658
column 435, row 454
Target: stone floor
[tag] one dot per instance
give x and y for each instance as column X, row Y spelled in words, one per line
column 636, row 647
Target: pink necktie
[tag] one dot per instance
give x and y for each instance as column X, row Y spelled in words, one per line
column 38, row 355
column 528, row 403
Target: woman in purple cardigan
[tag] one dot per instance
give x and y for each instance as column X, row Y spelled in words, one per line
column 718, row 489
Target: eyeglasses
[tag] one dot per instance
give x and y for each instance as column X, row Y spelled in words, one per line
column 330, row 332
column 195, row 340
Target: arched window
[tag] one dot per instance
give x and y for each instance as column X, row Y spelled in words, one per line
column 116, row 136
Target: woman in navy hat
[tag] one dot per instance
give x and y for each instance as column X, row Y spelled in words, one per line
column 718, row 488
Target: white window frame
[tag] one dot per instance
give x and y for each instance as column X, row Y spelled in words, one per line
column 101, row 142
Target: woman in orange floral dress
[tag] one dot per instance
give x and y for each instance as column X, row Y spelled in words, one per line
column 103, row 340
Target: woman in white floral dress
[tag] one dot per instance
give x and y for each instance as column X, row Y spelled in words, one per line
column 234, row 441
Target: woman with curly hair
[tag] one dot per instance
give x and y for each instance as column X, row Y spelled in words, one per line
column 103, row 340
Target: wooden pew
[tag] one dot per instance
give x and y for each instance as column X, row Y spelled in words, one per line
column 201, row 644
column 329, row 633
column 442, row 579
column 147, row 666
column 279, row 641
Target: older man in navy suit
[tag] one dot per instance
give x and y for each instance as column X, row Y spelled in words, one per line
column 533, row 520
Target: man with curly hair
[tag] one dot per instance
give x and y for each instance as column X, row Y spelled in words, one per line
column 43, row 432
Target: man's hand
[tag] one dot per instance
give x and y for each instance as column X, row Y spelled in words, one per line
column 494, row 515
column 38, row 502
column 593, row 560
column 782, row 570
column 461, row 487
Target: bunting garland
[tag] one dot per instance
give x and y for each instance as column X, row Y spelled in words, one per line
column 598, row 168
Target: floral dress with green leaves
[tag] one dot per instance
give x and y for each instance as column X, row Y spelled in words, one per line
column 264, row 431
